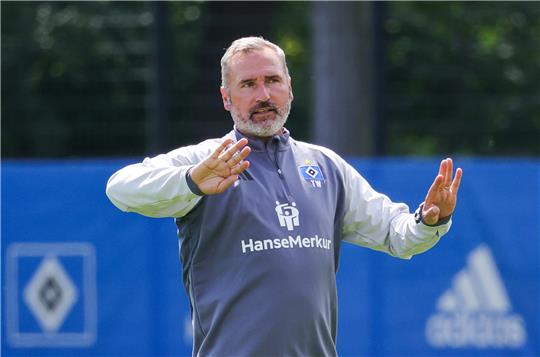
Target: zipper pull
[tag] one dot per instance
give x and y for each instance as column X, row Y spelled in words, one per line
column 280, row 173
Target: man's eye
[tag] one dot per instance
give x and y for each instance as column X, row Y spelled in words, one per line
column 247, row 84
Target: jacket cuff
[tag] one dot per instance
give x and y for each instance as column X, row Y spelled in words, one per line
column 192, row 185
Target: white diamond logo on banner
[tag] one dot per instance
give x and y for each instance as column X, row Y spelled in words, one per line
column 50, row 294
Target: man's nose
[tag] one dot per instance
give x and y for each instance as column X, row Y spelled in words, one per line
column 263, row 93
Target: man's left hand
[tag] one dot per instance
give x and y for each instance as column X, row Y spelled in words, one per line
column 441, row 198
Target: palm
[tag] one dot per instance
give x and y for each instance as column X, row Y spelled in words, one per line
column 215, row 176
column 445, row 200
column 441, row 198
column 221, row 169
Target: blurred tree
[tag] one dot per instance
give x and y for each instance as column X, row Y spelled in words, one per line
column 76, row 76
column 463, row 78
column 293, row 33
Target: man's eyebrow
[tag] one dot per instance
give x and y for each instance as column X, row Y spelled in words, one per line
column 274, row 76
column 246, row 80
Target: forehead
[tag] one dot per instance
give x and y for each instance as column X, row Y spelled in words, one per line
column 256, row 63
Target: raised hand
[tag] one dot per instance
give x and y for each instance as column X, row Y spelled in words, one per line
column 441, row 198
column 220, row 170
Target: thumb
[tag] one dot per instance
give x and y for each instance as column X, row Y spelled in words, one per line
column 430, row 215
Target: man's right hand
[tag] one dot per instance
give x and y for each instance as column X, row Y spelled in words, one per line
column 220, row 170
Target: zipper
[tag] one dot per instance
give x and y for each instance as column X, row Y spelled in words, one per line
column 279, row 171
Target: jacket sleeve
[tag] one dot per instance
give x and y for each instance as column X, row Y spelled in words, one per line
column 372, row 220
column 157, row 187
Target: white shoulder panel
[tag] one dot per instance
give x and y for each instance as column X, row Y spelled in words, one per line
column 157, row 186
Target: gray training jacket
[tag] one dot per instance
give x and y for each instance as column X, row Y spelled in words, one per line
column 260, row 260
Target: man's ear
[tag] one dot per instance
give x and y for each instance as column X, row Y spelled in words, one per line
column 226, row 99
column 291, row 95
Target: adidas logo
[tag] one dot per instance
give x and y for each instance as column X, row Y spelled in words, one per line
column 476, row 311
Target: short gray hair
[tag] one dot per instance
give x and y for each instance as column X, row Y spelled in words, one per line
column 245, row 45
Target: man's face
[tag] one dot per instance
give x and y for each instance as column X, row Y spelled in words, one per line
column 259, row 95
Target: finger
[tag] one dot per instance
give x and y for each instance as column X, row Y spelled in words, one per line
column 225, row 184
column 435, row 187
column 448, row 173
column 457, row 180
column 221, row 147
column 239, row 156
column 238, row 169
column 442, row 167
column 226, row 156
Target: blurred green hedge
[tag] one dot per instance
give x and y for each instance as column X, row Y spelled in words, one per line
column 460, row 78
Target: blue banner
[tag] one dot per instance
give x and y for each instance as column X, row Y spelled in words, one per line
column 79, row 277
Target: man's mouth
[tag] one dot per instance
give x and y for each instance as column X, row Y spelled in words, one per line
column 263, row 113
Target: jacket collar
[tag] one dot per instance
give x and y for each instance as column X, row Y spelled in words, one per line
column 277, row 142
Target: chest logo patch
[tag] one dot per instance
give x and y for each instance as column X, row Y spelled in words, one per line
column 312, row 173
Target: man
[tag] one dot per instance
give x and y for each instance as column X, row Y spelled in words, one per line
column 260, row 238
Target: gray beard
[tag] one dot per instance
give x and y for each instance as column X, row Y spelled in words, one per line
column 265, row 128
